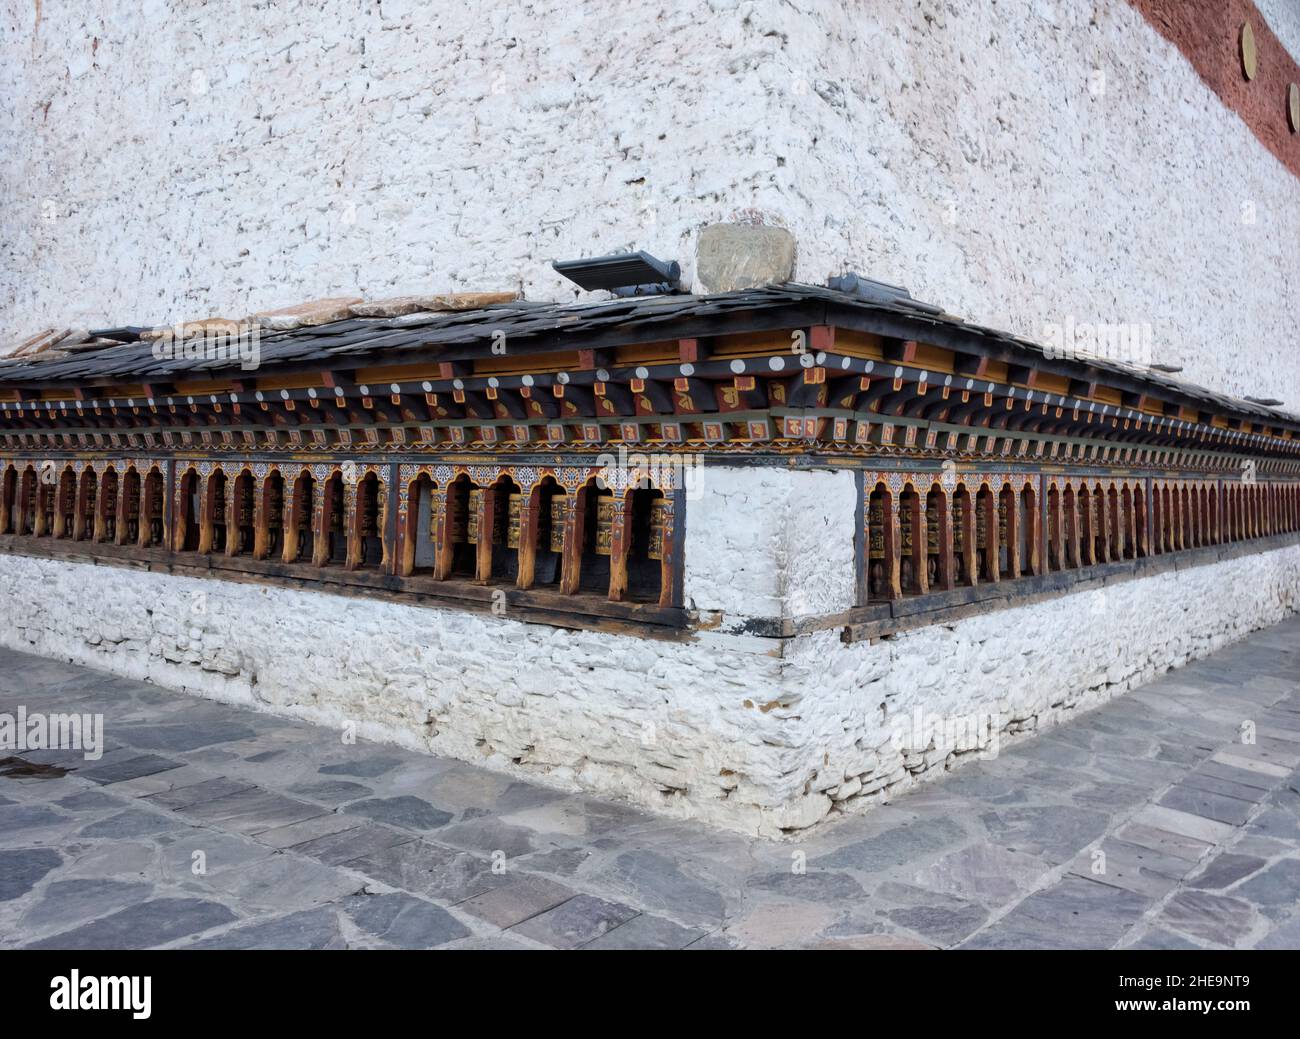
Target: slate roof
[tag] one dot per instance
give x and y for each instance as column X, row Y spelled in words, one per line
column 356, row 342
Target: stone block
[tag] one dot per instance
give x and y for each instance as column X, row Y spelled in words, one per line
column 399, row 306
column 317, row 312
column 743, row 256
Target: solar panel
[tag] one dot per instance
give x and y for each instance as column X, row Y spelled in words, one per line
column 626, row 271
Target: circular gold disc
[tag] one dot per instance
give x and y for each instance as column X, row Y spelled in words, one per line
column 1249, row 57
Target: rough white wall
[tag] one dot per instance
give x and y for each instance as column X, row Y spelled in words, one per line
column 1008, row 672
column 961, row 150
column 666, row 725
column 186, row 158
column 182, row 158
column 1283, row 17
column 771, row 543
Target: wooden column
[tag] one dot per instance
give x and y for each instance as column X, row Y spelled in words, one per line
column 232, row 514
column 862, row 543
column 574, row 526
column 1131, row 525
column 408, row 533
column 1087, row 515
column 6, row 505
column 142, row 511
column 168, row 489
column 123, row 500
column 893, row 541
column 620, row 545
column 322, row 506
column 969, row 554
column 81, row 524
column 59, row 525
column 178, row 516
column 1176, row 520
column 389, row 489
column 1012, row 506
column 668, row 564
column 947, row 566
column 990, row 510
column 530, row 506
column 1120, row 521
column 1104, row 524
column 444, row 550
column 1055, row 531
column 101, row 506
column 1072, row 533
column 205, row 515
column 262, row 517
column 38, row 514
column 920, row 564
column 486, row 520
column 352, row 513
column 292, row 517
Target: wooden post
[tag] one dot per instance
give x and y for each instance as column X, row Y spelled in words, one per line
column 6, row 505
column 893, row 541
column 178, row 520
column 1072, row 530
column 946, row 575
column 530, row 506
column 232, row 514
column 168, row 489
column 38, row 514
column 1011, row 504
column 968, row 547
column 920, row 547
column 1104, row 531
column 667, row 565
column 292, row 517
column 408, row 533
column 142, row 525
column 443, row 549
column 620, row 545
column 486, row 523
column 571, row 562
column 123, row 505
column 352, row 517
column 1157, row 533
column 322, row 508
column 101, row 508
column 262, row 517
column 1087, row 509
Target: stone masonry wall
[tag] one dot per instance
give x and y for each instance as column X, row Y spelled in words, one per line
column 983, row 681
column 744, row 732
column 1020, row 163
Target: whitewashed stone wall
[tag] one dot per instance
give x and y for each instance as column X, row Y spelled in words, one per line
column 749, row 733
column 998, row 676
column 176, row 160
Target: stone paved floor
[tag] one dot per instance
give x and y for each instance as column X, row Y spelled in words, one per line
column 306, row 842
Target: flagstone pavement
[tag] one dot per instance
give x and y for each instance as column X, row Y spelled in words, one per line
column 1151, row 822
